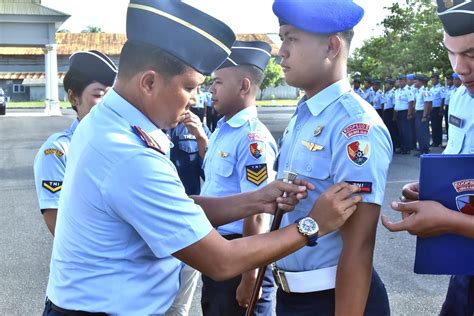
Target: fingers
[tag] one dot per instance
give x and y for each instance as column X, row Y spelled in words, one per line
column 305, row 183
column 408, row 207
column 351, row 201
column 290, row 188
column 344, row 188
column 410, row 191
column 394, row 227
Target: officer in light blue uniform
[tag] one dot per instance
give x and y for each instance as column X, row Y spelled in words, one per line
column 389, row 113
column 89, row 75
column 436, row 111
column 423, row 102
column 368, row 90
column 378, row 97
column 357, row 88
column 411, row 83
column 334, row 135
column 404, row 106
column 239, row 158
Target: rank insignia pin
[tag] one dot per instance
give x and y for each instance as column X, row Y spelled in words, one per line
column 318, row 131
column 223, row 154
column 312, row 146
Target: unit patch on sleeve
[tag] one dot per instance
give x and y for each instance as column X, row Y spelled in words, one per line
column 52, row 186
column 257, row 173
column 256, row 137
column 358, row 152
column 149, row 141
column 356, row 129
column 257, row 149
column 365, row 187
column 53, row 151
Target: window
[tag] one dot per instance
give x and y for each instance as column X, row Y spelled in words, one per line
column 18, row 88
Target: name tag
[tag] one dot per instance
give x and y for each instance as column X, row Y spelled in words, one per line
column 456, row 121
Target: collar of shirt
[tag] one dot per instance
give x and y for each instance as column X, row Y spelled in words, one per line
column 134, row 117
column 241, row 118
column 73, row 126
column 326, row 97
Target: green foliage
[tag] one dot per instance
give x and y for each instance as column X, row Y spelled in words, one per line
column 273, row 75
column 92, row 29
column 411, row 43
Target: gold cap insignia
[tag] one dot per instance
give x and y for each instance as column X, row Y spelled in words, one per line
column 448, row 3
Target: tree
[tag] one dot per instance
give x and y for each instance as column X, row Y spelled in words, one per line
column 273, row 75
column 92, row 29
column 411, row 43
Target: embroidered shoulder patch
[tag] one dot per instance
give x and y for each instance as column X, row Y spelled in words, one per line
column 358, row 152
column 256, row 136
column 356, row 129
column 52, row 186
column 257, row 173
column 365, row 187
column 53, row 151
column 257, row 149
column 147, row 139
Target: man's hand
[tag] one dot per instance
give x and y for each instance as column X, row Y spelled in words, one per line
column 410, row 192
column 194, row 125
column 425, row 219
column 270, row 196
column 334, row 206
column 245, row 288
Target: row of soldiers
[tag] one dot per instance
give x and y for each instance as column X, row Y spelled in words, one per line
column 408, row 106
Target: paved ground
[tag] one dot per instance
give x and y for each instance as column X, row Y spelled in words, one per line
column 25, row 243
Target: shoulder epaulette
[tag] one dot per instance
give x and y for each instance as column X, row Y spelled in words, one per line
column 147, row 139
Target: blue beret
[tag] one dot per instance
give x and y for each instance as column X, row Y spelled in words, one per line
column 401, row 77
column 376, row 81
column 192, row 36
column 254, row 53
column 95, row 66
column 319, row 16
column 456, row 76
column 421, row 77
column 389, row 81
column 411, row 77
column 457, row 16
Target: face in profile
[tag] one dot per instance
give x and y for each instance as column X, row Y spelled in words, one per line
column 461, row 55
column 91, row 95
column 225, row 88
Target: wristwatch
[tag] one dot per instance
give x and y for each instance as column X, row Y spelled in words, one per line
column 309, row 228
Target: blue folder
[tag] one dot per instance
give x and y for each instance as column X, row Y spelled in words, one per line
column 448, row 179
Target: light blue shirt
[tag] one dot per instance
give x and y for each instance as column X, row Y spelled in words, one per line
column 234, row 147
column 334, row 136
column 360, row 92
column 208, row 99
column 437, row 92
column 389, row 99
column 378, row 100
column 461, row 139
column 201, row 100
column 448, row 92
column 50, row 165
column 423, row 95
column 122, row 214
column 368, row 95
column 403, row 96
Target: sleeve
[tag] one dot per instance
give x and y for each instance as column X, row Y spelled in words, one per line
column 49, row 169
column 363, row 159
column 410, row 96
column 255, row 161
column 145, row 191
column 428, row 97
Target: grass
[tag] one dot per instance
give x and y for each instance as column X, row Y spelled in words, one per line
column 34, row 105
column 66, row 105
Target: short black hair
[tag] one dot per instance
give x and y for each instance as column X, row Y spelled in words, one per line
column 137, row 56
column 75, row 81
column 255, row 74
column 347, row 36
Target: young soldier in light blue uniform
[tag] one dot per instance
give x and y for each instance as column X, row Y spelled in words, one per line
column 388, row 113
column 411, row 83
column 89, row 76
column 333, row 136
column 404, row 106
column 378, row 97
column 422, row 114
column 240, row 158
column 125, row 223
column 368, row 90
column 357, row 88
column 430, row 218
column 436, row 111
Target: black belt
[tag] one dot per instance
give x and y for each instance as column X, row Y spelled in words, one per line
column 232, row 236
column 68, row 312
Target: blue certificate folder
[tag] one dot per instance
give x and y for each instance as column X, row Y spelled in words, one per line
column 448, row 179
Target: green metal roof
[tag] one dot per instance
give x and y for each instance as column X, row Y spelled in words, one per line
column 24, row 7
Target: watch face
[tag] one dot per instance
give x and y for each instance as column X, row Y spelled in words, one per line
column 309, row 226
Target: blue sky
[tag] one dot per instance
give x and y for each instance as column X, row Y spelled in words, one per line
column 110, row 15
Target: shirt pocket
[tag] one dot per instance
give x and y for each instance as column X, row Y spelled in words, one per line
column 314, row 165
column 224, row 167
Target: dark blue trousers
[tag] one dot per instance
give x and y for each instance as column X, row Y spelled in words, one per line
column 404, row 130
column 322, row 303
column 391, row 126
column 436, row 126
column 460, row 297
column 422, row 133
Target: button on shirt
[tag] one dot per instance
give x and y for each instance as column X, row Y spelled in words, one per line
column 50, row 165
column 122, row 213
column 461, row 139
column 437, row 92
column 334, row 136
column 403, row 96
column 423, row 95
column 378, row 100
column 239, row 158
column 389, row 99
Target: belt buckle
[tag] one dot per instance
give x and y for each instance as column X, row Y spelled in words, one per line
column 280, row 279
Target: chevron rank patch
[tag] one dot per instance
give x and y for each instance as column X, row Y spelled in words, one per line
column 53, row 151
column 257, row 173
column 52, row 186
column 147, row 139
